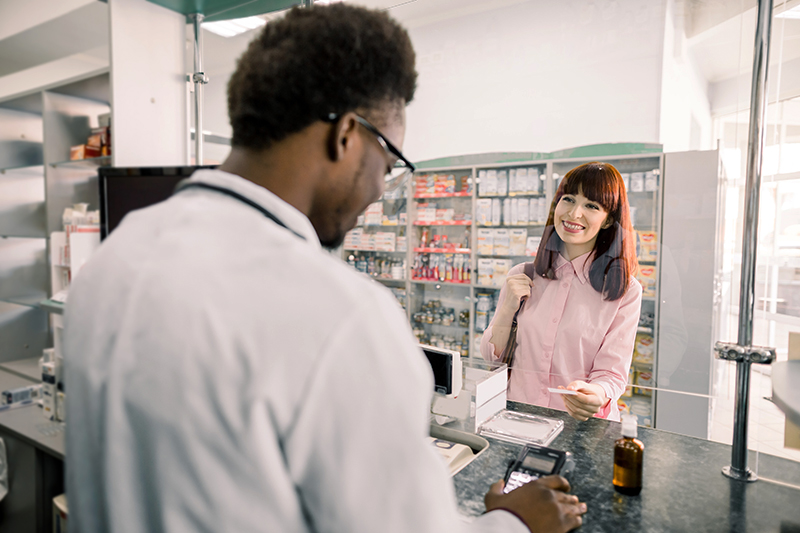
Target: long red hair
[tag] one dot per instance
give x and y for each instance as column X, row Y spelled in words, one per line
column 614, row 254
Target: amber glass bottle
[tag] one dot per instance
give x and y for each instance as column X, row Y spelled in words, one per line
column 628, row 459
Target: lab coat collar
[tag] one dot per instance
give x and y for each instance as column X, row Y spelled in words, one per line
column 286, row 213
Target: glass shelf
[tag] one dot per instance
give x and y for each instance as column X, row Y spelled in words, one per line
column 512, row 194
column 440, row 325
column 443, row 250
column 388, row 280
column 444, row 195
column 374, row 250
column 17, row 236
column 444, row 223
column 23, row 168
column 434, row 282
column 52, row 306
column 92, row 162
column 380, row 226
column 508, row 255
column 534, row 224
column 27, row 301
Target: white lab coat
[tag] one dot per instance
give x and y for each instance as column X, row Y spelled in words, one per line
column 224, row 375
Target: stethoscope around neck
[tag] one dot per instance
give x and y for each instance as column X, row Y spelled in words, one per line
column 186, row 184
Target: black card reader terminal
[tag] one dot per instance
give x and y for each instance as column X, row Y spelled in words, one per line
column 534, row 462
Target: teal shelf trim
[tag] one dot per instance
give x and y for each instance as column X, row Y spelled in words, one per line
column 608, row 149
column 52, row 306
column 494, row 158
column 226, row 9
column 499, row 158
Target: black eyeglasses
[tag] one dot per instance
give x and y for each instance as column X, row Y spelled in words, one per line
column 402, row 167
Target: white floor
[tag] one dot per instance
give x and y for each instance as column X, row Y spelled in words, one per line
column 766, row 420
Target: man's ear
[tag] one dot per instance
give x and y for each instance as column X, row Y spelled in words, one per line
column 341, row 136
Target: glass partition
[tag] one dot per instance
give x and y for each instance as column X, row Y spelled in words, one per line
column 544, row 86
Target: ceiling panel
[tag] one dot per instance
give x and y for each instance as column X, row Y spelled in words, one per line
column 226, row 9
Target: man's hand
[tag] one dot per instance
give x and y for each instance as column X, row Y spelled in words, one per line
column 589, row 400
column 543, row 505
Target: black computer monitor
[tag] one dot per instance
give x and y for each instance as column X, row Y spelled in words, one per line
column 123, row 190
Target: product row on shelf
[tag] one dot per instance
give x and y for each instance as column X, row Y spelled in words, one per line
column 511, row 182
column 637, row 398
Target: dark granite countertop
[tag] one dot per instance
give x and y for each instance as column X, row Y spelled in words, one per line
column 684, row 489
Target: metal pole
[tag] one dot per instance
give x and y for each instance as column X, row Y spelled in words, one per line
column 199, row 79
column 755, row 148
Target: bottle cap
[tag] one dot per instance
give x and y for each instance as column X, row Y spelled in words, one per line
column 629, row 427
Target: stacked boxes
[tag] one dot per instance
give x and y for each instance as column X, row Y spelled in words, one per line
column 493, row 272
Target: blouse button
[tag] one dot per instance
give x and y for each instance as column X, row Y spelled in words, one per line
column 555, row 320
column 565, row 285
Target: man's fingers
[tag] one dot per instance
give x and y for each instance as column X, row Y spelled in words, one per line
column 497, row 488
column 573, row 521
column 563, row 497
column 554, row 482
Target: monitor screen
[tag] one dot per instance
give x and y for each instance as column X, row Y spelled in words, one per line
column 123, row 190
column 441, row 362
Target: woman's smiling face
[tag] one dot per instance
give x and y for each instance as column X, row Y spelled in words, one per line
column 577, row 221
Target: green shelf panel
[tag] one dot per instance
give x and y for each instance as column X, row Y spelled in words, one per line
column 608, row 149
column 499, row 158
column 51, row 306
column 494, row 158
column 226, row 9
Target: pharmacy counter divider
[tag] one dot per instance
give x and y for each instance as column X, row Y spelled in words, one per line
column 35, row 456
column 683, row 490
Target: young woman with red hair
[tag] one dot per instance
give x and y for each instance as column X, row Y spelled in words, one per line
column 577, row 324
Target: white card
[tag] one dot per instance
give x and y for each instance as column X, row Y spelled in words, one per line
column 563, row 391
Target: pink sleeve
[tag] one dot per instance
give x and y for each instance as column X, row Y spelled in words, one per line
column 487, row 348
column 613, row 360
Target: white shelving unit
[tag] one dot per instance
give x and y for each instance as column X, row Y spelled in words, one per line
column 37, row 181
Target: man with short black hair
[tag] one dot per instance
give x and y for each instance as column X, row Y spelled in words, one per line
column 224, row 372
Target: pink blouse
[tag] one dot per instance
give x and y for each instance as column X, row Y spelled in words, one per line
column 567, row 331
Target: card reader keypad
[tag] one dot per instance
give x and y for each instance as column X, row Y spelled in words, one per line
column 517, row 479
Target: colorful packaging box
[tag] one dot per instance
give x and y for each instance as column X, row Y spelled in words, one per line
column 648, row 245
column 647, row 277
column 485, row 241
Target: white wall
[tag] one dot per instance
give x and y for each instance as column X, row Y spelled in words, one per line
column 148, row 84
column 534, row 76
column 538, row 76
column 685, row 122
column 215, row 98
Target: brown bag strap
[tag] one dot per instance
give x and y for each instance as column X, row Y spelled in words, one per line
column 529, row 270
column 508, row 352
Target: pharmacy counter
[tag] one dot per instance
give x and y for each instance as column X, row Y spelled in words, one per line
column 27, row 423
column 684, row 489
column 35, row 454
